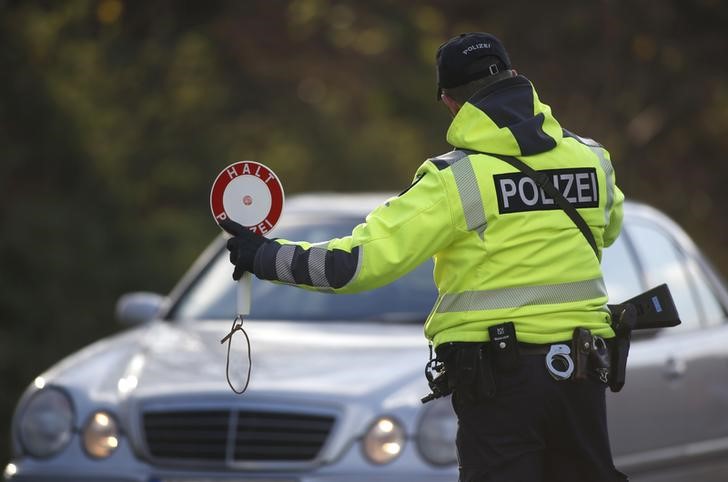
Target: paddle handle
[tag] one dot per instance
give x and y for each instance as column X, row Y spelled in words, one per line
column 244, row 287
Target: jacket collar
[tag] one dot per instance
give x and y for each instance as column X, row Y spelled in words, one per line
column 505, row 118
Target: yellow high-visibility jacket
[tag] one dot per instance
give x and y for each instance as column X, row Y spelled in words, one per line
column 503, row 250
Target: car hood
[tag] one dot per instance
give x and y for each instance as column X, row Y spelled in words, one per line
column 330, row 360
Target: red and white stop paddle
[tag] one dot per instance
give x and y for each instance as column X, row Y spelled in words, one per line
column 250, row 194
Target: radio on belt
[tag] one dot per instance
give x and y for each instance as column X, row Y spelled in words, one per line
column 250, row 194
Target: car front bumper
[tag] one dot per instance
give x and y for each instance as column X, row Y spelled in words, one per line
column 73, row 465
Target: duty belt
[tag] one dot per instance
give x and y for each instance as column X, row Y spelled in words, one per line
column 559, row 362
column 585, row 355
column 468, row 367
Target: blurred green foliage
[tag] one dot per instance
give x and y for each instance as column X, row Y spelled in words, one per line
column 116, row 116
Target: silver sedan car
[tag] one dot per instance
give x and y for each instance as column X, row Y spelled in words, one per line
column 336, row 381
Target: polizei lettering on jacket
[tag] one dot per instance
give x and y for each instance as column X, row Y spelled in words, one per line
column 519, row 193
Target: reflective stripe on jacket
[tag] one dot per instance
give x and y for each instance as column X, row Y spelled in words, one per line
column 503, row 250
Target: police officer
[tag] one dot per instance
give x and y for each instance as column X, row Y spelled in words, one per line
column 504, row 252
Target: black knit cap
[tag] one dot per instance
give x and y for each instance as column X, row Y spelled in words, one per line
column 463, row 59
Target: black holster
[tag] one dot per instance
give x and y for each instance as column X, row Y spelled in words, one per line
column 591, row 355
column 624, row 318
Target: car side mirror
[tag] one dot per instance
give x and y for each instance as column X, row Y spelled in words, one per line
column 139, row 307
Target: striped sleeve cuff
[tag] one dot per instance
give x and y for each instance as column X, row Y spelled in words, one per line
column 316, row 267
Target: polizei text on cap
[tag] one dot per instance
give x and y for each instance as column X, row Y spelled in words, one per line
column 481, row 45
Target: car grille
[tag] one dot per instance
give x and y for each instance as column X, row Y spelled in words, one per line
column 235, row 436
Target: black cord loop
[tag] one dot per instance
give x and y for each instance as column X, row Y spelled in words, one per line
column 229, row 338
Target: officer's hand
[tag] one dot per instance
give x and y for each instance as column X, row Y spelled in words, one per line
column 242, row 246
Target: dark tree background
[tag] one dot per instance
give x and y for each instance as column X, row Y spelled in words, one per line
column 115, row 116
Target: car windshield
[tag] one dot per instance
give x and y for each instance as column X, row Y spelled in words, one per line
column 212, row 296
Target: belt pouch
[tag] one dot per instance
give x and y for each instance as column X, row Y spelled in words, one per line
column 486, row 382
column 600, row 360
column 473, row 375
column 504, row 347
column 581, row 347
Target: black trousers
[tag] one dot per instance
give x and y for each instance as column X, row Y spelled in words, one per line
column 535, row 429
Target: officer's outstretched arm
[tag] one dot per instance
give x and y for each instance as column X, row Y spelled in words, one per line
column 395, row 238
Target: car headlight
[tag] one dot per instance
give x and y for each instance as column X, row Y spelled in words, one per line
column 46, row 423
column 384, row 440
column 437, row 432
column 100, row 435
